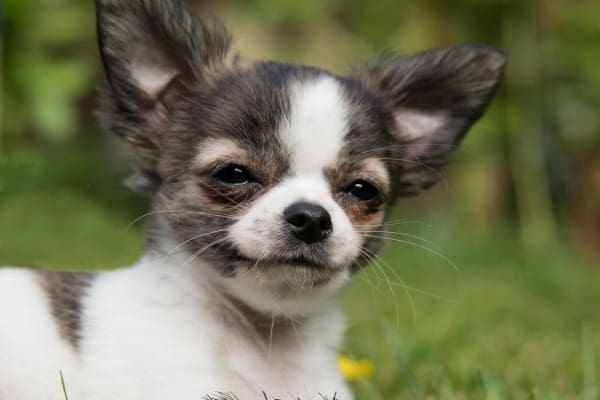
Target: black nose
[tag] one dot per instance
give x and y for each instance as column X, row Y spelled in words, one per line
column 309, row 222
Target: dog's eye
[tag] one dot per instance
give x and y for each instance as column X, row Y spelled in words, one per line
column 362, row 190
column 232, row 174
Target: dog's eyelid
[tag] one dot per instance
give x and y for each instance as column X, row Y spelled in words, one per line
column 364, row 190
column 232, row 174
column 213, row 165
column 368, row 176
column 252, row 176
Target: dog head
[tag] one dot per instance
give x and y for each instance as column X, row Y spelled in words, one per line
column 274, row 173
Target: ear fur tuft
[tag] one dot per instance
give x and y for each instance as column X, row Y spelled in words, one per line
column 432, row 98
column 155, row 53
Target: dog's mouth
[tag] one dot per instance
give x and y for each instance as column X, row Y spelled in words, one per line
column 271, row 262
column 315, row 262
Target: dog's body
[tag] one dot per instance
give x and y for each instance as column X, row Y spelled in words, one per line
column 270, row 183
column 153, row 332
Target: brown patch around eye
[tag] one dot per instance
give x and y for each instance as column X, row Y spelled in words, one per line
column 227, row 196
column 216, row 154
column 363, row 214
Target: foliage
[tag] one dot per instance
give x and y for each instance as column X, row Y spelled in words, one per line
column 49, row 66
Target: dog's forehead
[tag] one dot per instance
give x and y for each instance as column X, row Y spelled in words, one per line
column 316, row 124
column 298, row 118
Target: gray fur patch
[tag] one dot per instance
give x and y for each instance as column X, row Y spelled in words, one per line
column 65, row 291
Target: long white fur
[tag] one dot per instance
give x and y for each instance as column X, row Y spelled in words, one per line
column 150, row 332
column 32, row 353
column 154, row 331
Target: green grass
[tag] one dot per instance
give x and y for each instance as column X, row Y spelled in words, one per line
column 512, row 326
column 509, row 324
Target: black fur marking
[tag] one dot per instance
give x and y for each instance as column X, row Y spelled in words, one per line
column 65, row 291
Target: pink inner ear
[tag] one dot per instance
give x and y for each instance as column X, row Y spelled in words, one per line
column 153, row 79
column 414, row 125
column 152, row 71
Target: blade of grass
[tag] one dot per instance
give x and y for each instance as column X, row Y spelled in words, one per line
column 62, row 384
column 406, row 373
column 590, row 384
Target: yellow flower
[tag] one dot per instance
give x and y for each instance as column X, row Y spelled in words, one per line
column 355, row 369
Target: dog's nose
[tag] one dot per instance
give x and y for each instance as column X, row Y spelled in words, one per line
column 310, row 223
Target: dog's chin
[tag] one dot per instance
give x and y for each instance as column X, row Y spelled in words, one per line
column 290, row 285
column 293, row 272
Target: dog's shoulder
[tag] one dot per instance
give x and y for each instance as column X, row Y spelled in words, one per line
column 59, row 293
column 64, row 291
column 31, row 342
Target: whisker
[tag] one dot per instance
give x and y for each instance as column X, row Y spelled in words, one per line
column 367, row 279
column 412, row 146
column 387, row 279
column 432, row 251
column 298, row 336
column 398, row 222
column 423, row 165
column 202, row 250
column 259, row 273
column 426, row 293
column 402, row 284
column 178, row 212
column 409, row 235
column 236, row 204
column 192, row 239
column 270, row 343
column 404, row 222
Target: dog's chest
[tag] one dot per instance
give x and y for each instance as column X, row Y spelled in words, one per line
column 174, row 347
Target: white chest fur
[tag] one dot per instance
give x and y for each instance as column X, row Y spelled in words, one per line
column 150, row 332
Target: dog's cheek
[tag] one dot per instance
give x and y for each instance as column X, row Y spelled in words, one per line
column 192, row 213
column 362, row 216
column 214, row 198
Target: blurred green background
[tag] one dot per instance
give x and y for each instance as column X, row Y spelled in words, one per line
column 492, row 288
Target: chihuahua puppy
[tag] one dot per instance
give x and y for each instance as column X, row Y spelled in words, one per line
column 265, row 178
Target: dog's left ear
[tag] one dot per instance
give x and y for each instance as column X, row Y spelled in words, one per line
column 432, row 99
column 155, row 52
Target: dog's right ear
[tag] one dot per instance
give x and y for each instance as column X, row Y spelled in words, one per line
column 433, row 98
column 154, row 52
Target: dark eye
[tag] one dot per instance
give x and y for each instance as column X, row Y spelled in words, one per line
column 362, row 190
column 232, row 174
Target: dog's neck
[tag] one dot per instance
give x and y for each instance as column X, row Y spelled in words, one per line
column 262, row 328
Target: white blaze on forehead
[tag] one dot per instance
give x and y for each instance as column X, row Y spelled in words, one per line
column 316, row 126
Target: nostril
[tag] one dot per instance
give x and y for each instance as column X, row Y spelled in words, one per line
column 309, row 222
column 325, row 223
column 297, row 220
